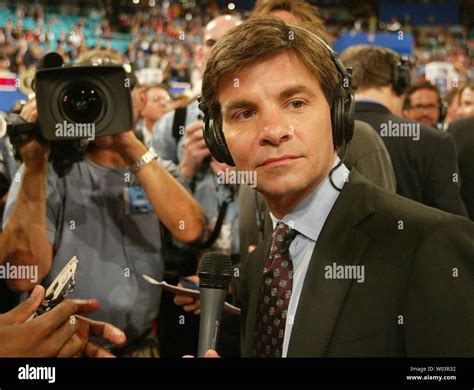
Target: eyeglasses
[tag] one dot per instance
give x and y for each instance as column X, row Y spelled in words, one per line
column 427, row 107
column 161, row 99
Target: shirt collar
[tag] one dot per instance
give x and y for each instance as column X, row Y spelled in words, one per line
column 309, row 216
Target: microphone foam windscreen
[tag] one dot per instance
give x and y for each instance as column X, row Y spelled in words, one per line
column 215, row 271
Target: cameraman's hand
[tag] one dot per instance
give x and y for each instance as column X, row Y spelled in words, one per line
column 34, row 154
column 128, row 146
column 29, row 112
column 195, row 150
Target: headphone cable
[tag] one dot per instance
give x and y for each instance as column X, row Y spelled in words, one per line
column 341, row 161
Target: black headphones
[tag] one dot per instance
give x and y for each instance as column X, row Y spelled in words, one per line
column 401, row 74
column 342, row 113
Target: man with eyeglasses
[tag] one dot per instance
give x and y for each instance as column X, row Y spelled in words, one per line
column 158, row 104
column 422, row 103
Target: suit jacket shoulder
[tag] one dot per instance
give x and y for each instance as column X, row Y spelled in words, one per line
column 369, row 155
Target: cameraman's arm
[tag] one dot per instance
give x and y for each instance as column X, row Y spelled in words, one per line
column 25, row 239
column 173, row 205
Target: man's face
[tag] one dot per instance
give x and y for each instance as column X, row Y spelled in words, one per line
column 466, row 103
column 424, row 107
column 157, row 104
column 276, row 121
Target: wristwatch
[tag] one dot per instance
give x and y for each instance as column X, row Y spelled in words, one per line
column 147, row 158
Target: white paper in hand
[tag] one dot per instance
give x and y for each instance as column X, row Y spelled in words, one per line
column 228, row 308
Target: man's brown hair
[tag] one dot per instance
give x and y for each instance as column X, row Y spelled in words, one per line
column 257, row 40
column 306, row 13
column 100, row 55
column 372, row 66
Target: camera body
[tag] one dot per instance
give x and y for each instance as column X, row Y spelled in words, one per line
column 75, row 104
column 83, row 101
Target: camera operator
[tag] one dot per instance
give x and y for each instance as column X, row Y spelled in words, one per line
column 104, row 214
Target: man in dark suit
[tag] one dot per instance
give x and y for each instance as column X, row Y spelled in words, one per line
column 463, row 134
column 423, row 158
column 350, row 270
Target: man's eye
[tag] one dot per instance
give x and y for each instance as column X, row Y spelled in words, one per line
column 243, row 115
column 296, row 104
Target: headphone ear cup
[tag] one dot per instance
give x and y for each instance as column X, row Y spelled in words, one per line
column 214, row 137
column 401, row 75
column 216, row 143
column 336, row 112
column 349, row 116
column 342, row 117
column 221, row 145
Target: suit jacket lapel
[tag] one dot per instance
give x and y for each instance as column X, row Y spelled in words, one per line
column 340, row 242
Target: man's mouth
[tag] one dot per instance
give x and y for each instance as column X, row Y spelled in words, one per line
column 278, row 161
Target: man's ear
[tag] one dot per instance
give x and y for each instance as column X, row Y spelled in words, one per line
column 143, row 99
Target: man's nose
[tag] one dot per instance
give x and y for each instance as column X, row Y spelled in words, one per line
column 275, row 128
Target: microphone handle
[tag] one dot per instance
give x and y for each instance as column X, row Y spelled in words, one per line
column 212, row 305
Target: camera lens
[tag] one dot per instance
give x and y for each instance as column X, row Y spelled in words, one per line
column 82, row 103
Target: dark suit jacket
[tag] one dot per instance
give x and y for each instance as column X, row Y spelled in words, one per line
column 463, row 135
column 424, row 168
column 416, row 299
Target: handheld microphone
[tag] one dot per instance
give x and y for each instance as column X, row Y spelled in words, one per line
column 214, row 279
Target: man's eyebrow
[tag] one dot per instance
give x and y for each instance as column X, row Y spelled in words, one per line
column 237, row 104
column 288, row 92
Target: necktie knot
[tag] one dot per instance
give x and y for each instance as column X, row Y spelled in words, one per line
column 282, row 237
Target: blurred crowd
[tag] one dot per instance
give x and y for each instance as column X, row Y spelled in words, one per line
column 167, row 37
